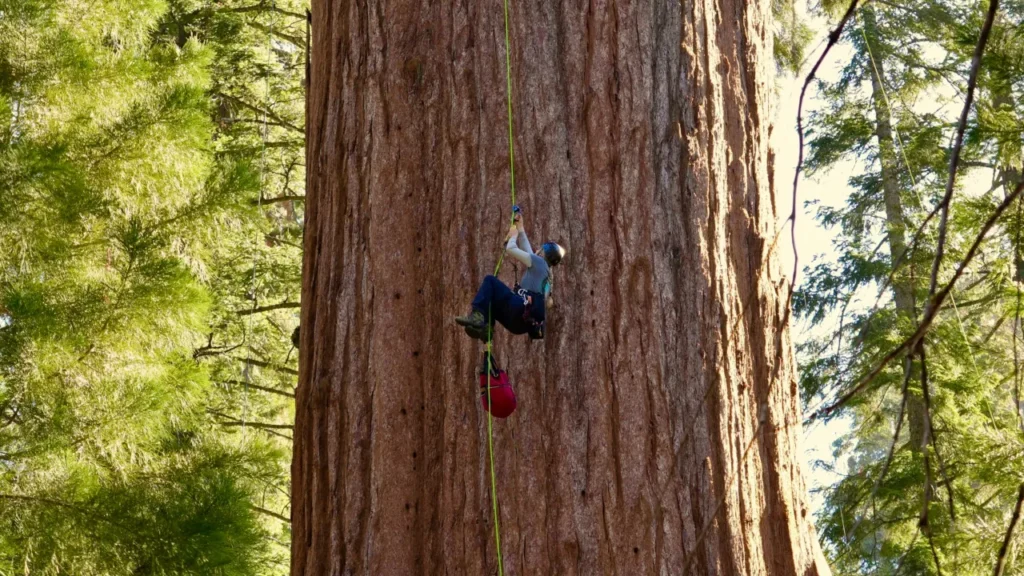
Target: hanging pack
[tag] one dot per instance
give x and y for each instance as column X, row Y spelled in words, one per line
column 503, row 398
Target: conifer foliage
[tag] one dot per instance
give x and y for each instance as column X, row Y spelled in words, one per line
column 151, row 187
column 933, row 454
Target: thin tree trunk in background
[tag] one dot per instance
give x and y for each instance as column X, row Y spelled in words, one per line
column 1008, row 153
column 642, row 145
column 1008, row 171
column 896, row 224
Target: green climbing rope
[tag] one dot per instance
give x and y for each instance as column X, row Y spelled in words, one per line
column 490, row 319
column 490, row 450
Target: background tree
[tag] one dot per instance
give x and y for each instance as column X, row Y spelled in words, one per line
column 893, row 109
column 147, row 293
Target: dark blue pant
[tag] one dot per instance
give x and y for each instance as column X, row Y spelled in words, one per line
column 504, row 305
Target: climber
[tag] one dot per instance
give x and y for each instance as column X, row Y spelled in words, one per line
column 520, row 309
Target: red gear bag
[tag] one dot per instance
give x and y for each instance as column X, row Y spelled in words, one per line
column 503, row 398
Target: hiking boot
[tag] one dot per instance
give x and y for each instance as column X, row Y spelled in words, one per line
column 478, row 333
column 475, row 320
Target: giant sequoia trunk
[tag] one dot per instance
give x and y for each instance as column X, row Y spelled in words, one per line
column 657, row 427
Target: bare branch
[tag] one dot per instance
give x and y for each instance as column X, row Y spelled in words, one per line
column 211, row 350
column 954, row 159
column 260, row 425
column 260, row 111
column 294, row 144
column 263, row 7
column 977, row 164
column 910, row 547
column 276, row 199
column 833, row 38
column 923, row 523
column 269, row 366
column 1001, row 560
column 296, row 40
column 271, row 513
column 931, row 544
column 275, row 237
column 915, row 241
column 268, row 308
column 258, row 387
column 930, row 435
column 1016, row 322
column 230, row 421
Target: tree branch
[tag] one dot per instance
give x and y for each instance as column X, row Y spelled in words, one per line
column 931, row 311
column 233, row 421
column 230, row 421
column 261, row 425
column 833, row 38
column 268, row 366
column 258, row 387
column 954, row 159
column 930, row 436
column 280, row 306
column 60, row 504
column 923, row 523
column 210, row 350
column 298, row 144
column 277, row 199
column 977, row 164
column 1016, row 323
column 261, row 111
column 895, row 438
column 275, row 237
column 296, row 40
column 271, row 513
column 1001, row 559
column 263, row 7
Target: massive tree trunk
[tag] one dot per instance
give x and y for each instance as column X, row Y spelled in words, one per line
column 658, row 420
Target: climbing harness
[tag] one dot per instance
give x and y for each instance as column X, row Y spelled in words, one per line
column 536, row 326
column 490, row 319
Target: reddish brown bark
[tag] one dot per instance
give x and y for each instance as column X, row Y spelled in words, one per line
column 642, row 146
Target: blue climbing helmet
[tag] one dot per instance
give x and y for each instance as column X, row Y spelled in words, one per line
column 553, row 253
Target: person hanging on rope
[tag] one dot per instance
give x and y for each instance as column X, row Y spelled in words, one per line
column 520, row 309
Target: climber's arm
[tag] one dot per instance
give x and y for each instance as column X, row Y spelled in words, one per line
column 513, row 250
column 523, row 240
